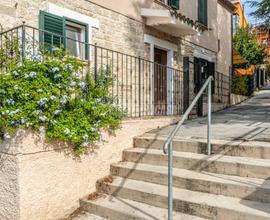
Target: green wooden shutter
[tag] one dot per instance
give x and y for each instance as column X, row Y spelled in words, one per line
column 54, row 24
column 174, row 4
column 202, row 12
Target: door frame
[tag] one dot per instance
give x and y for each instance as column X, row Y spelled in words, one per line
column 170, row 48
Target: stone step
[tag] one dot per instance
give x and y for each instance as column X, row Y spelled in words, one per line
column 87, row 216
column 253, row 149
column 190, row 202
column 123, row 209
column 234, row 186
column 238, row 166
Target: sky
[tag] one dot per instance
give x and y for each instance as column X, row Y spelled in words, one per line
column 248, row 9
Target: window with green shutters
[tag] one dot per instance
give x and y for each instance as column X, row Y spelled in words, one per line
column 58, row 31
column 172, row 3
column 203, row 12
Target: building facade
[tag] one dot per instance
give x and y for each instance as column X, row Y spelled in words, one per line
column 181, row 44
column 160, row 53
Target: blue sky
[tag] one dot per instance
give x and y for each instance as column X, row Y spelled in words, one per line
column 248, row 9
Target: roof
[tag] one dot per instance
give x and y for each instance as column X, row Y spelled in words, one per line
column 228, row 5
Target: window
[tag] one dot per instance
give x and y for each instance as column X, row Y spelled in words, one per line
column 203, row 12
column 219, row 47
column 172, row 3
column 64, row 31
column 76, row 38
column 236, row 22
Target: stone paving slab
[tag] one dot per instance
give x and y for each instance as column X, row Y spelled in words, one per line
column 248, row 121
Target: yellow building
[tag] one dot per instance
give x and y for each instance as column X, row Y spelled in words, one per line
column 239, row 18
column 239, row 21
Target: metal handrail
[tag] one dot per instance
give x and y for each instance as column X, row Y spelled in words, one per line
column 168, row 143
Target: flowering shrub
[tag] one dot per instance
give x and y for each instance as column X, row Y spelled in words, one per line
column 49, row 95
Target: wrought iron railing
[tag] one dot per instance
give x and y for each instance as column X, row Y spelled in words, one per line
column 140, row 87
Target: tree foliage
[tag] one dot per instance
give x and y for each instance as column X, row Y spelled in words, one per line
column 50, row 96
column 246, row 43
column 262, row 10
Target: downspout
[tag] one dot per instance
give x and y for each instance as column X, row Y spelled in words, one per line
column 232, row 68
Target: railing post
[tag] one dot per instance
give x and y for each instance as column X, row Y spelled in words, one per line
column 140, row 113
column 95, row 68
column 23, row 40
column 209, row 118
column 170, row 181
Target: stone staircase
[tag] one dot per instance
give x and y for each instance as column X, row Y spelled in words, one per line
column 230, row 184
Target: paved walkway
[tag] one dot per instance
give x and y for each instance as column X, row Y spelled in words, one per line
column 248, row 121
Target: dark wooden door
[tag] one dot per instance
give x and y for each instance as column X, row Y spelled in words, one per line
column 160, row 82
column 202, row 70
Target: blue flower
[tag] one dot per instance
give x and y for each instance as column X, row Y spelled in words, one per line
column 14, row 112
column 14, row 123
column 55, row 49
column 53, row 98
column 15, row 73
column 55, row 69
column 42, row 118
column 21, row 120
column 85, row 137
column 73, row 83
column 16, row 87
column 38, row 112
column 82, row 84
column 63, row 100
column 68, row 66
column 93, row 129
column 66, row 131
column 36, row 58
column 56, row 76
column 26, row 76
column 42, row 102
column 5, row 112
column 6, row 136
column 10, row 101
column 98, row 100
column 57, row 112
column 19, row 64
column 33, row 75
column 53, row 122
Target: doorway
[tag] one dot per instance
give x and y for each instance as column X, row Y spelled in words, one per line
column 160, row 81
column 202, row 70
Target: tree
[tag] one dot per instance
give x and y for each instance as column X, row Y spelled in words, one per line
column 262, row 10
column 246, row 43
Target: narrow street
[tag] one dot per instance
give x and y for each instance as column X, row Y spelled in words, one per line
column 248, row 121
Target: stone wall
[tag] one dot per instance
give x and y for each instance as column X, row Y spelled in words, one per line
column 236, row 99
column 44, row 181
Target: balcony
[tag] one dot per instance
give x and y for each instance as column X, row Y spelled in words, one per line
column 167, row 19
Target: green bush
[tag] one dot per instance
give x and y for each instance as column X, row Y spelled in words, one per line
column 240, row 84
column 48, row 94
